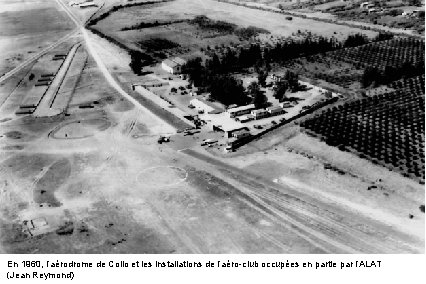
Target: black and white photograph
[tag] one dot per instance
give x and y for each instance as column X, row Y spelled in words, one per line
column 201, row 127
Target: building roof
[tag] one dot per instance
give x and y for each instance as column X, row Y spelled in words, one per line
column 170, row 63
column 231, row 126
column 87, row 4
column 241, row 131
column 179, row 61
column 275, row 108
column 258, row 111
column 245, row 117
column 236, row 109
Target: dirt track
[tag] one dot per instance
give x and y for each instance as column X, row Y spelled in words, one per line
column 336, row 229
column 100, row 189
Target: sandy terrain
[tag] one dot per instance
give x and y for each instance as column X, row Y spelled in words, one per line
column 101, row 190
column 94, row 180
column 38, row 28
column 297, row 160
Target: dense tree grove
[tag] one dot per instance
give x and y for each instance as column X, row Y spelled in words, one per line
column 383, row 36
column 291, row 49
column 227, row 90
column 136, row 58
column 205, row 23
column 290, row 81
column 280, row 89
column 258, row 97
column 261, row 77
column 372, row 76
column 355, row 40
column 216, row 69
column 212, row 78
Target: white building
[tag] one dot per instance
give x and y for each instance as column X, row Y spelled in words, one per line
column 87, row 5
column 259, row 113
column 173, row 65
column 75, row 3
column 244, row 118
column 275, row 110
column 288, row 104
column 364, row 4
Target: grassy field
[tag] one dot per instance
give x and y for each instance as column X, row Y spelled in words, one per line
column 241, row 16
column 163, row 40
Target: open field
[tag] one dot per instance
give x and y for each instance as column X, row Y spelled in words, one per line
column 383, row 18
column 184, row 9
column 81, row 184
column 25, row 30
column 292, row 158
column 95, row 179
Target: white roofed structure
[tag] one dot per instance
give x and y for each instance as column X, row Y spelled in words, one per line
column 236, row 111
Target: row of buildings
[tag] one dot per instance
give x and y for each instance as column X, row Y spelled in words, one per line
column 249, row 112
column 371, row 8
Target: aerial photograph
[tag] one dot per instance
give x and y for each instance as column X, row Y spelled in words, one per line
column 212, row 127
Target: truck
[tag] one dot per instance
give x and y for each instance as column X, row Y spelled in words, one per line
column 163, row 139
column 208, row 142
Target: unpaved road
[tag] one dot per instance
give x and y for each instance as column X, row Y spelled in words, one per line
column 218, row 208
column 326, row 225
column 36, row 56
column 92, row 51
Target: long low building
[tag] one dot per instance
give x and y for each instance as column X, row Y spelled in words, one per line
column 87, row 5
column 275, row 110
column 237, row 111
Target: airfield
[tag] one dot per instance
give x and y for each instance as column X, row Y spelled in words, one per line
column 81, row 169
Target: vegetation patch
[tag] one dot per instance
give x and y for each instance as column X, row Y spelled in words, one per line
column 387, row 129
column 145, row 25
column 154, row 44
column 14, row 134
column 204, row 23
